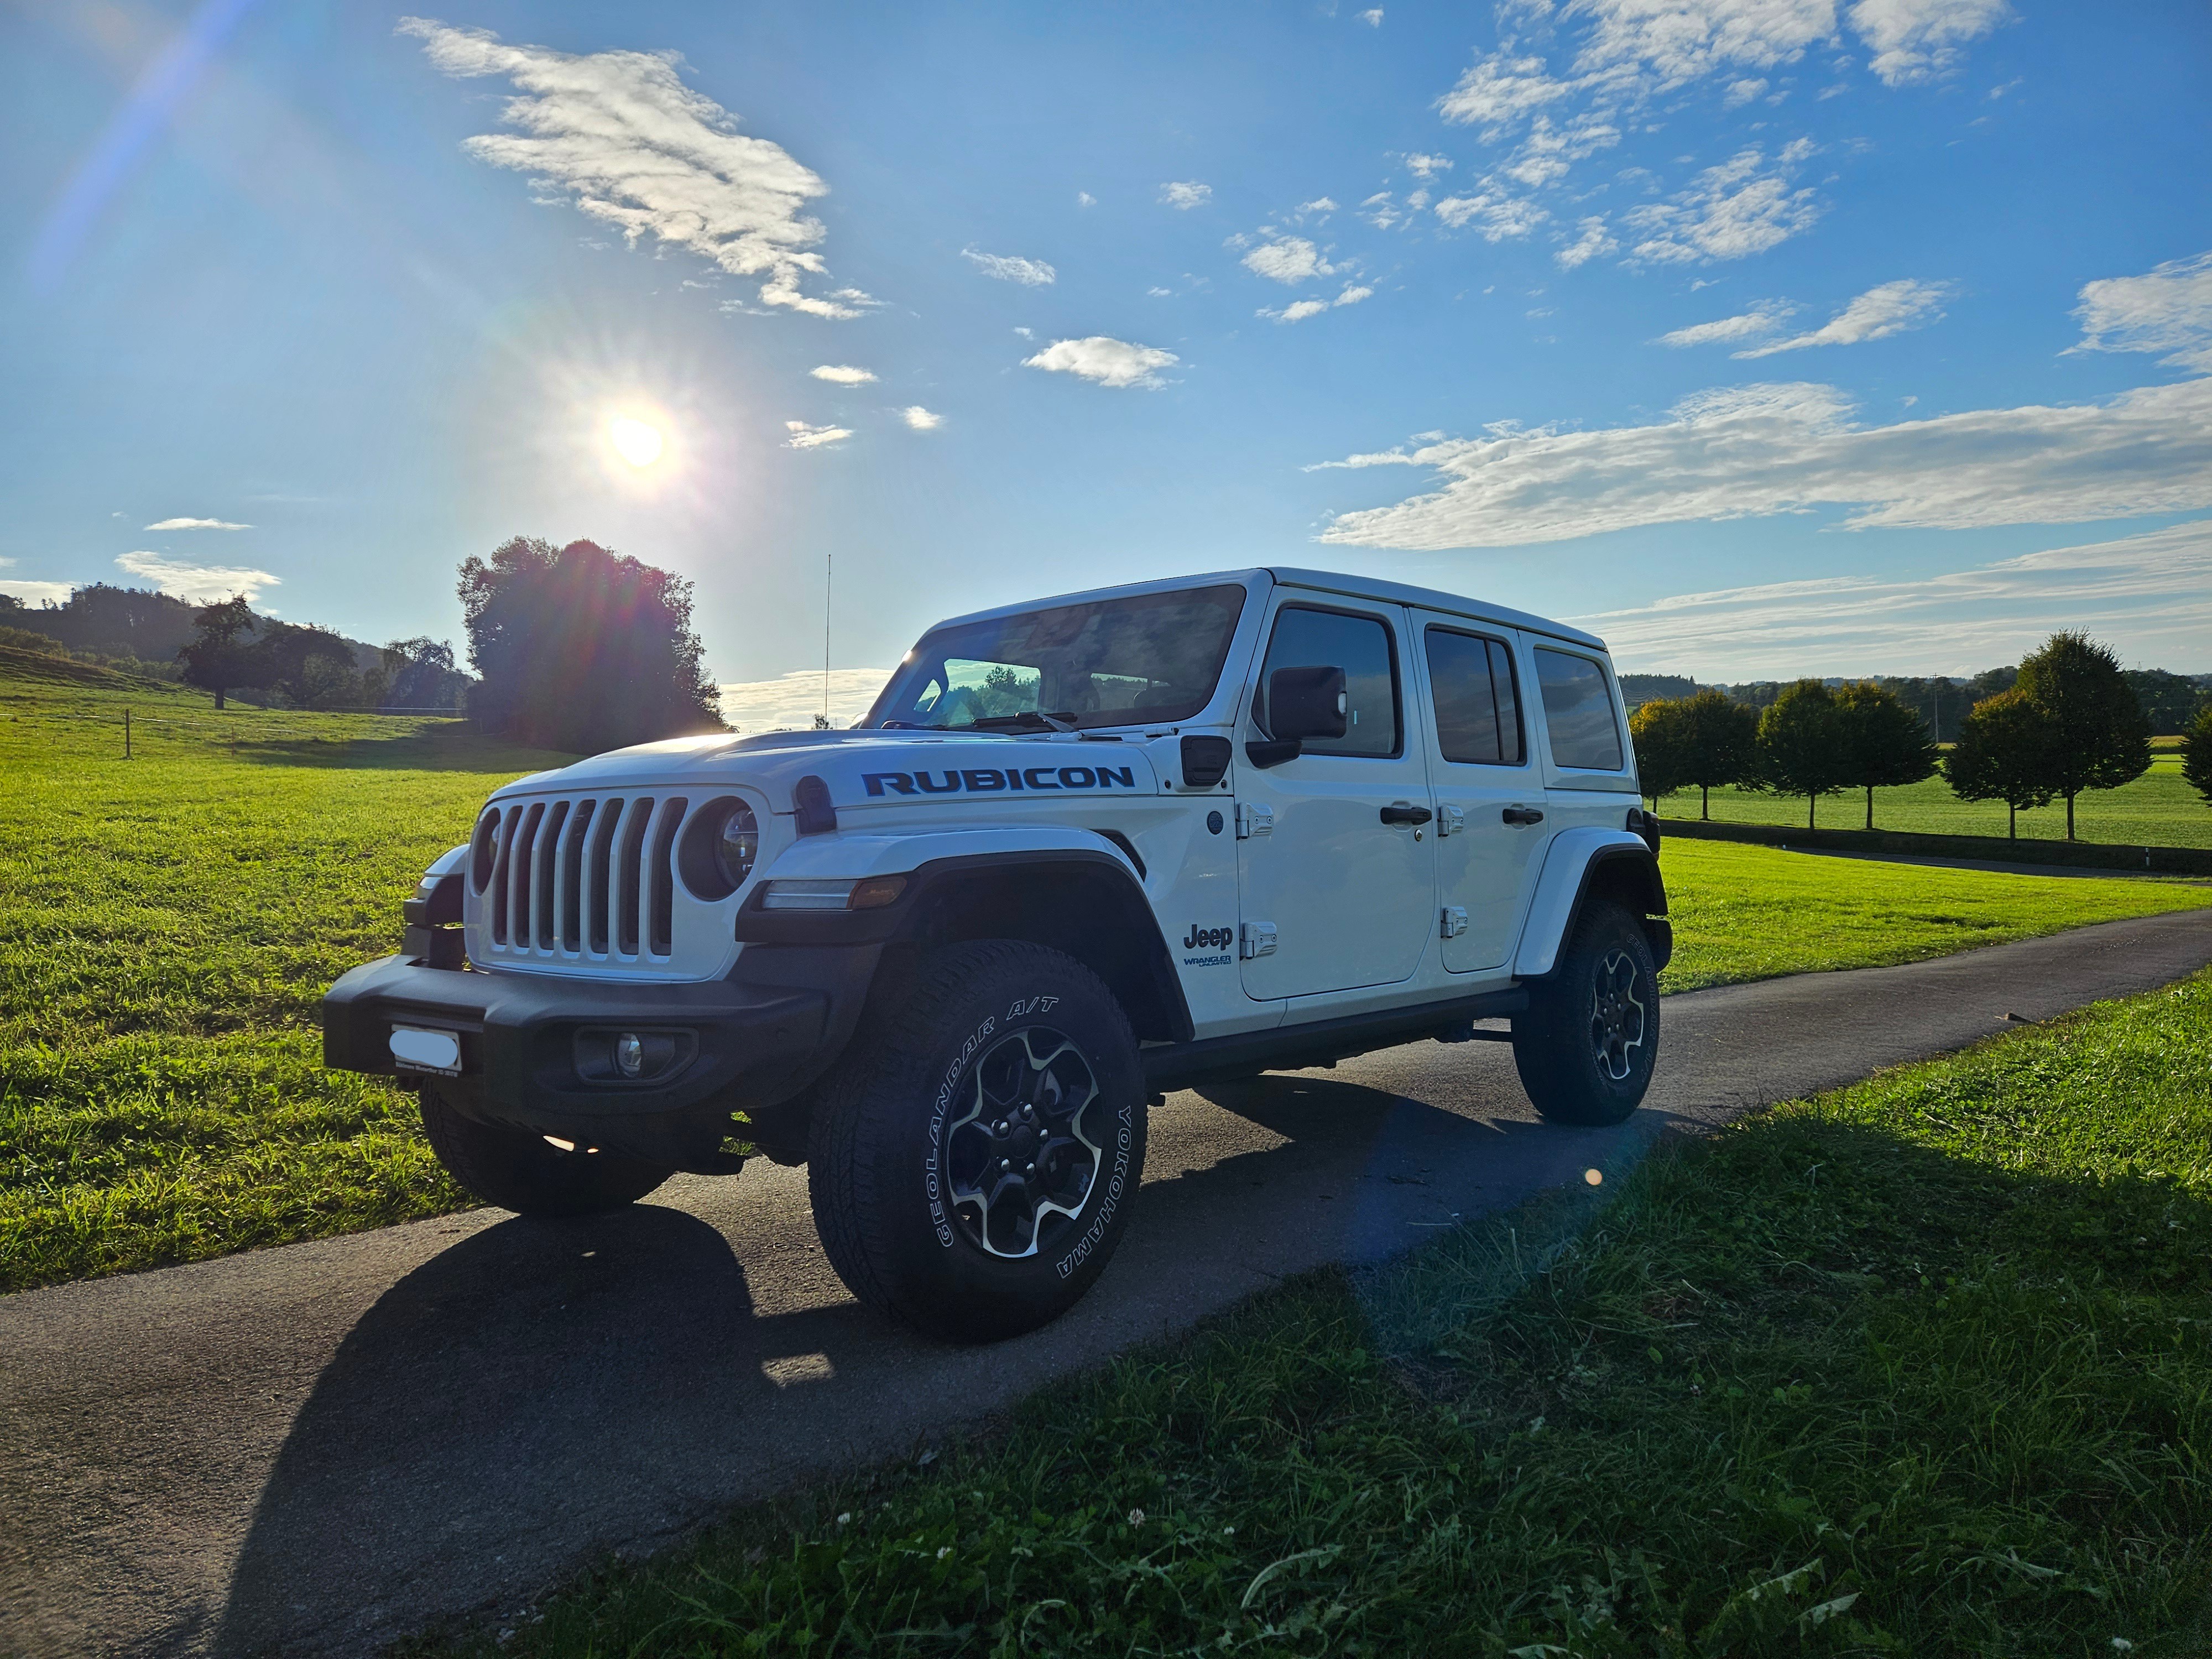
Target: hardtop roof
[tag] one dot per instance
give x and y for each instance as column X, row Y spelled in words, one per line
column 1327, row 582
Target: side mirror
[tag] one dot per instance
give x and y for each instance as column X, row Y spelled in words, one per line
column 1302, row 704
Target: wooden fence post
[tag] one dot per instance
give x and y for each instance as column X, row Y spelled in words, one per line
column 126, row 733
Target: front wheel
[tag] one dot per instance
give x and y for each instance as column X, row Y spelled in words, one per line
column 526, row 1173
column 1586, row 1048
column 977, row 1150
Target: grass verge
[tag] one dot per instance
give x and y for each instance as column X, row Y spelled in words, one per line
column 1919, row 1367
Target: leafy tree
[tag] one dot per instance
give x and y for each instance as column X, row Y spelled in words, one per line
column 215, row 659
column 2196, row 754
column 1885, row 741
column 2004, row 752
column 420, row 674
column 310, row 667
column 1660, row 737
column 2170, row 701
column 2102, row 739
column 1802, row 747
column 582, row 648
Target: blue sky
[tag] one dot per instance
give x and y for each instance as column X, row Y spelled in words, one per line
column 1762, row 335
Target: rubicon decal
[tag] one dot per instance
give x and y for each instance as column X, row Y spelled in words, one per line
column 991, row 780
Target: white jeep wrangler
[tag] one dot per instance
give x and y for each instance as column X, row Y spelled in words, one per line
column 1079, row 853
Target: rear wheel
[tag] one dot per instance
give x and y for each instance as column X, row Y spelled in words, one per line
column 526, row 1173
column 977, row 1150
column 1586, row 1048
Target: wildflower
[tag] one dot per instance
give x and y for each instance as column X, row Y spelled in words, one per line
column 1136, row 1517
column 843, row 1518
column 943, row 1550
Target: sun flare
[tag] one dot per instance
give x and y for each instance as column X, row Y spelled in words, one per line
column 635, row 442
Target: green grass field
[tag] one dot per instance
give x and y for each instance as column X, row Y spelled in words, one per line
column 1921, row 1367
column 168, row 924
column 2157, row 810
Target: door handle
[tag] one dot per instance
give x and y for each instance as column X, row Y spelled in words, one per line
column 1521, row 815
column 1404, row 811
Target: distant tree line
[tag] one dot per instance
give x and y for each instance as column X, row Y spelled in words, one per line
column 2066, row 720
column 233, row 650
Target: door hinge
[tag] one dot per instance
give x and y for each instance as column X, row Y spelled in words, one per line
column 1454, row 920
column 1258, row 939
column 1253, row 819
column 1450, row 820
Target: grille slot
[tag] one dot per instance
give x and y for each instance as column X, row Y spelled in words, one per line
column 582, row 879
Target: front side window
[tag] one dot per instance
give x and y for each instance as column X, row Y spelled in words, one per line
column 1360, row 646
column 1578, row 711
column 1478, row 704
column 1110, row 662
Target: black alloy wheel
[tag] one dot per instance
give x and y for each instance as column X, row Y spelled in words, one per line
column 1587, row 1045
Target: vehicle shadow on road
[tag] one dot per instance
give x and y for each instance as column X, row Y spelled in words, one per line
column 532, row 1369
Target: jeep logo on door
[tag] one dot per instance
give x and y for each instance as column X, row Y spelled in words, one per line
column 991, row 779
column 1208, row 939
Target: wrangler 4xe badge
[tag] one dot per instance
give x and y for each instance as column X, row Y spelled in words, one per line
column 988, row 780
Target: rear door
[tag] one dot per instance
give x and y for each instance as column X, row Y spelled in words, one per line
column 1337, row 879
column 1491, row 825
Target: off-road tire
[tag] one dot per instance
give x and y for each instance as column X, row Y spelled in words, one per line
column 1586, row 1047
column 904, row 1112
column 526, row 1173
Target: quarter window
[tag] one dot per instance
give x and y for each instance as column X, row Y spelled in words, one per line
column 1478, row 704
column 1360, row 646
column 1578, row 712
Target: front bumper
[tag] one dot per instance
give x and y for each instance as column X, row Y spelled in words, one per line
column 530, row 1048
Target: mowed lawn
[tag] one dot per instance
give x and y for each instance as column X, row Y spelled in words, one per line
column 2159, row 809
column 168, row 924
column 167, row 927
column 1921, row 1367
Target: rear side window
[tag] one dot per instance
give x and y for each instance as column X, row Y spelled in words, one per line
column 1360, row 646
column 1579, row 710
column 1478, row 705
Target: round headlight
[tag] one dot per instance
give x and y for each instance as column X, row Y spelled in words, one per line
column 737, row 844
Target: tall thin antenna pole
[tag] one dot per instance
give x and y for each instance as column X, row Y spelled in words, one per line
column 829, row 574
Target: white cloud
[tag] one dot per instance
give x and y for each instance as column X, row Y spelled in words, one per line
column 1496, row 214
column 1008, row 268
column 1186, row 194
column 790, row 701
column 919, row 419
column 1749, row 450
column 804, row 436
column 1879, row 312
column 1741, row 208
column 2170, row 310
column 1592, row 243
column 1673, row 42
column 635, row 147
column 1319, row 204
column 1498, row 90
column 1917, row 41
column 1742, row 92
column 1289, row 259
column 1427, row 167
column 1762, row 318
column 1105, row 361
column 1084, row 198
column 201, row 584
column 2150, row 595
column 1159, row 293
column 1299, row 310
column 1546, row 154
column 842, row 373
column 1372, row 18
column 33, row 592
column 197, row 524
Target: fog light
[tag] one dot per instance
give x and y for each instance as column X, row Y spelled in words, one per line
column 629, row 1054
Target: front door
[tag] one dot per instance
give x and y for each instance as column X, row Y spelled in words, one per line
column 1492, row 821
column 1335, row 855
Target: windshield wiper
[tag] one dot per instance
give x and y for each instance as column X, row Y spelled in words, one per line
column 1063, row 721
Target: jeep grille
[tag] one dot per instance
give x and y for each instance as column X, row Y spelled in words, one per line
column 577, row 879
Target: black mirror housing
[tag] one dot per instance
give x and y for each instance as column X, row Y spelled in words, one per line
column 1305, row 703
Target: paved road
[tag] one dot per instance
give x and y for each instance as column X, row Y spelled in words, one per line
column 320, row 1448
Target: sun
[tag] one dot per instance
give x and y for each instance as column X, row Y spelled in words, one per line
column 635, row 442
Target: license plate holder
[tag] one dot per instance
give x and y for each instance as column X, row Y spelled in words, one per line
column 425, row 1048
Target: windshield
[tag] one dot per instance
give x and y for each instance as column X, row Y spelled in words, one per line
column 1112, row 662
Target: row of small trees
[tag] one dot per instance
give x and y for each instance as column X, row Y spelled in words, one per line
column 2070, row 722
column 234, row 650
